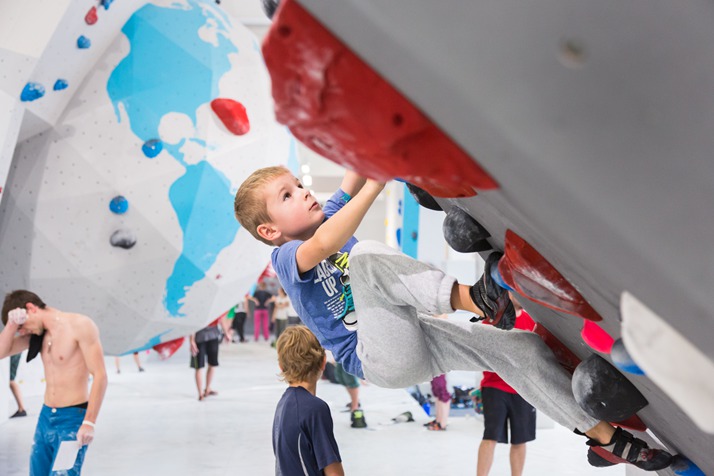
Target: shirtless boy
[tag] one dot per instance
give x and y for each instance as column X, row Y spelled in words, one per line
column 70, row 349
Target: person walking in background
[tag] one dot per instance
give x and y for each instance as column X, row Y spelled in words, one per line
column 261, row 319
column 204, row 346
column 503, row 407
column 237, row 316
column 281, row 311
column 15, row 388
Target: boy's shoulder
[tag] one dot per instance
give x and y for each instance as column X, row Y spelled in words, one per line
column 307, row 402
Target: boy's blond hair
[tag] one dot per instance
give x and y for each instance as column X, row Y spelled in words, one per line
column 249, row 205
column 300, row 355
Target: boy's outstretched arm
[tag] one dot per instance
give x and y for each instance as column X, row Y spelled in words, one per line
column 334, row 233
column 352, row 183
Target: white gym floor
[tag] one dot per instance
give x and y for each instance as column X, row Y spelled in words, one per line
column 151, row 423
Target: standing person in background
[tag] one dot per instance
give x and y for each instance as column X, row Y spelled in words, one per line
column 280, row 313
column 261, row 319
column 443, row 404
column 503, row 406
column 137, row 361
column 204, row 346
column 15, row 388
column 71, row 352
column 237, row 317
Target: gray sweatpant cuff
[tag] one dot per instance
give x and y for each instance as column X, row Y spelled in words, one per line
column 444, row 296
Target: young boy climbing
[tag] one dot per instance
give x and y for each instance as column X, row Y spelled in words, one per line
column 367, row 304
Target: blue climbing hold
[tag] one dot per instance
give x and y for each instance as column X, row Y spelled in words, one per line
column 119, row 205
column 32, row 91
column 622, row 359
column 152, row 148
column 496, row 276
column 106, row 3
column 684, row 466
column 60, row 84
column 83, row 42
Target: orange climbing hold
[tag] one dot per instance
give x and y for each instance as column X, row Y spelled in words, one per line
column 337, row 105
column 232, row 114
column 531, row 275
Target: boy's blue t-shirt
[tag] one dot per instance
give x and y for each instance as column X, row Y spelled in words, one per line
column 303, row 439
column 320, row 295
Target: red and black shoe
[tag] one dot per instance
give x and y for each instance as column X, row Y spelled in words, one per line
column 492, row 299
column 625, row 448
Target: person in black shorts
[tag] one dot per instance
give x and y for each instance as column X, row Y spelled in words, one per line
column 204, row 346
column 501, row 406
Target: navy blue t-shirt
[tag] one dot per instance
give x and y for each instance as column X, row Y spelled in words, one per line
column 303, row 442
column 322, row 296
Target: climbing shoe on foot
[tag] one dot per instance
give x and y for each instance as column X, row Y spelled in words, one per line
column 625, row 448
column 358, row 420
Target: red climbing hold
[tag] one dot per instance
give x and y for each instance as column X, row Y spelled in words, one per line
column 596, row 337
column 167, row 349
column 232, row 114
column 565, row 357
column 337, row 105
column 91, row 17
column 531, row 275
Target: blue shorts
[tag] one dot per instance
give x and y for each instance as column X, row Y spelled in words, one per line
column 54, row 426
column 501, row 408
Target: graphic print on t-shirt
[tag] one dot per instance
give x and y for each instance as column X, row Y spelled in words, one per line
column 338, row 301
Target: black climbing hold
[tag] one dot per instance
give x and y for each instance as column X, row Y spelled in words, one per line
column 603, row 392
column 269, row 7
column 423, row 198
column 123, row 239
column 463, row 233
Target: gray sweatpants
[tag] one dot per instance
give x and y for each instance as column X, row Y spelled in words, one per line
column 400, row 347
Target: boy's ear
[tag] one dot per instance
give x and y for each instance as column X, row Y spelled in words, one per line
column 324, row 363
column 268, row 231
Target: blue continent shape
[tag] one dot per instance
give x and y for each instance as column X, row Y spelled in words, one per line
column 169, row 68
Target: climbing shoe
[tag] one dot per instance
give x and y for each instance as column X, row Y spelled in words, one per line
column 625, row 448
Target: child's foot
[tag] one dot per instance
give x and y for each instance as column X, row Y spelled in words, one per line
column 141, row 369
column 435, row 426
column 625, row 448
column 358, row 420
column 430, row 423
column 492, row 299
column 19, row 413
column 209, row 393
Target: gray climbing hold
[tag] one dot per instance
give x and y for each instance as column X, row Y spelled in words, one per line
column 123, row 239
column 603, row 392
column 463, row 233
